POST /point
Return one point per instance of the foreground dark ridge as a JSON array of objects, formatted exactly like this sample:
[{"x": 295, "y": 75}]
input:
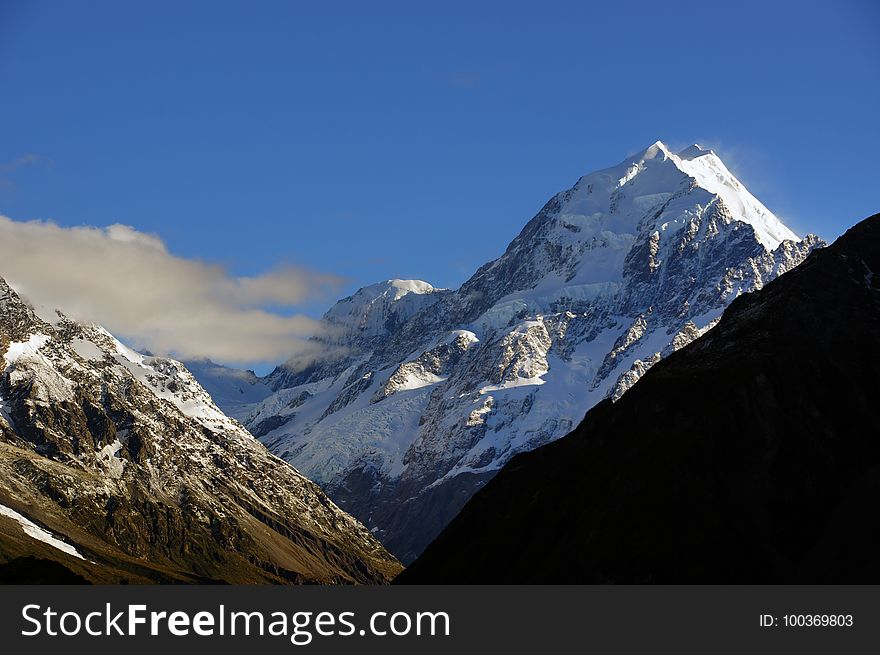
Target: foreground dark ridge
[
  {"x": 750, "y": 456},
  {"x": 118, "y": 468}
]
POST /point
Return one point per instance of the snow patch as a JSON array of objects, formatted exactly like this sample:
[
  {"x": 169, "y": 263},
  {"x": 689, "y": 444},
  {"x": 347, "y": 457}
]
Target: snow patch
[
  {"x": 417, "y": 381},
  {"x": 513, "y": 384},
  {"x": 19, "y": 349},
  {"x": 132, "y": 356},
  {"x": 33, "y": 530},
  {"x": 86, "y": 349},
  {"x": 107, "y": 456},
  {"x": 452, "y": 335}
]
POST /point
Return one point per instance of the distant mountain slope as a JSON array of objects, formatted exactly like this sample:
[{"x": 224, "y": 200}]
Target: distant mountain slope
[
  {"x": 750, "y": 456},
  {"x": 423, "y": 394},
  {"x": 119, "y": 467},
  {"x": 232, "y": 389}
]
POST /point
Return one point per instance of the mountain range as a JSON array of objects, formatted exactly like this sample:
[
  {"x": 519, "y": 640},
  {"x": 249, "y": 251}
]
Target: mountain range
[
  {"x": 119, "y": 466},
  {"x": 751, "y": 455},
  {"x": 423, "y": 394}
]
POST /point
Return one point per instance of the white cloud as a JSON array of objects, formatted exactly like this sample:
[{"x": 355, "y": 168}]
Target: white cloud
[{"x": 127, "y": 281}]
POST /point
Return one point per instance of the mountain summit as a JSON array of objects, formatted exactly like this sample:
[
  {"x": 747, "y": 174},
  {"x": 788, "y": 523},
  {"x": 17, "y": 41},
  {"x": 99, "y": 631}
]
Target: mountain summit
[
  {"x": 712, "y": 175},
  {"x": 422, "y": 394}
]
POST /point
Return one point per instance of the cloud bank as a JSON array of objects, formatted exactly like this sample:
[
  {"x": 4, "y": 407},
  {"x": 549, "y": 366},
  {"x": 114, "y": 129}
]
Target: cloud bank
[{"x": 128, "y": 282}]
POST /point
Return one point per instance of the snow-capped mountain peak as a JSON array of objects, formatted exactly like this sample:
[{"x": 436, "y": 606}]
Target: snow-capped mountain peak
[
  {"x": 653, "y": 176},
  {"x": 422, "y": 394},
  {"x": 368, "y": 311}
]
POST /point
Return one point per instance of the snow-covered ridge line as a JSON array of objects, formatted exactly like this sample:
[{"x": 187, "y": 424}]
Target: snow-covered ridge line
[
  {"x": 711, "y": 174},
  {"x": 167, "y": 378}
]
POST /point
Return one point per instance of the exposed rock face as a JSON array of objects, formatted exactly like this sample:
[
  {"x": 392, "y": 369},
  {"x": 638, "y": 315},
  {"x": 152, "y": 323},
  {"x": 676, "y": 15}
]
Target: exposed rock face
[
  {"x": 427, "y": 393},
  {"x": 751, "y": 455},
  {"x": 121, "y": 468}
]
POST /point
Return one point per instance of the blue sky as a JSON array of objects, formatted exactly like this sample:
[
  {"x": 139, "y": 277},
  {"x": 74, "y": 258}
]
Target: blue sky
[{"x": 373, "y": 140}]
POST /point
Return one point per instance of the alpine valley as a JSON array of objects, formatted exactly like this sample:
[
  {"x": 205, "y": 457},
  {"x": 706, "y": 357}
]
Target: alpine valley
[{"x": 422, "y": 394}]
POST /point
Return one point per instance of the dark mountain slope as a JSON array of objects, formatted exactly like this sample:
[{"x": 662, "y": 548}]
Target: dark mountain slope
[{"x": 750, "y": 456}]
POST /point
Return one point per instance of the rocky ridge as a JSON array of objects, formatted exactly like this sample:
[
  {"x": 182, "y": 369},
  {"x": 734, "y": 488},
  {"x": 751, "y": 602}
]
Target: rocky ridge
[{"x": 121, "y": 468}]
